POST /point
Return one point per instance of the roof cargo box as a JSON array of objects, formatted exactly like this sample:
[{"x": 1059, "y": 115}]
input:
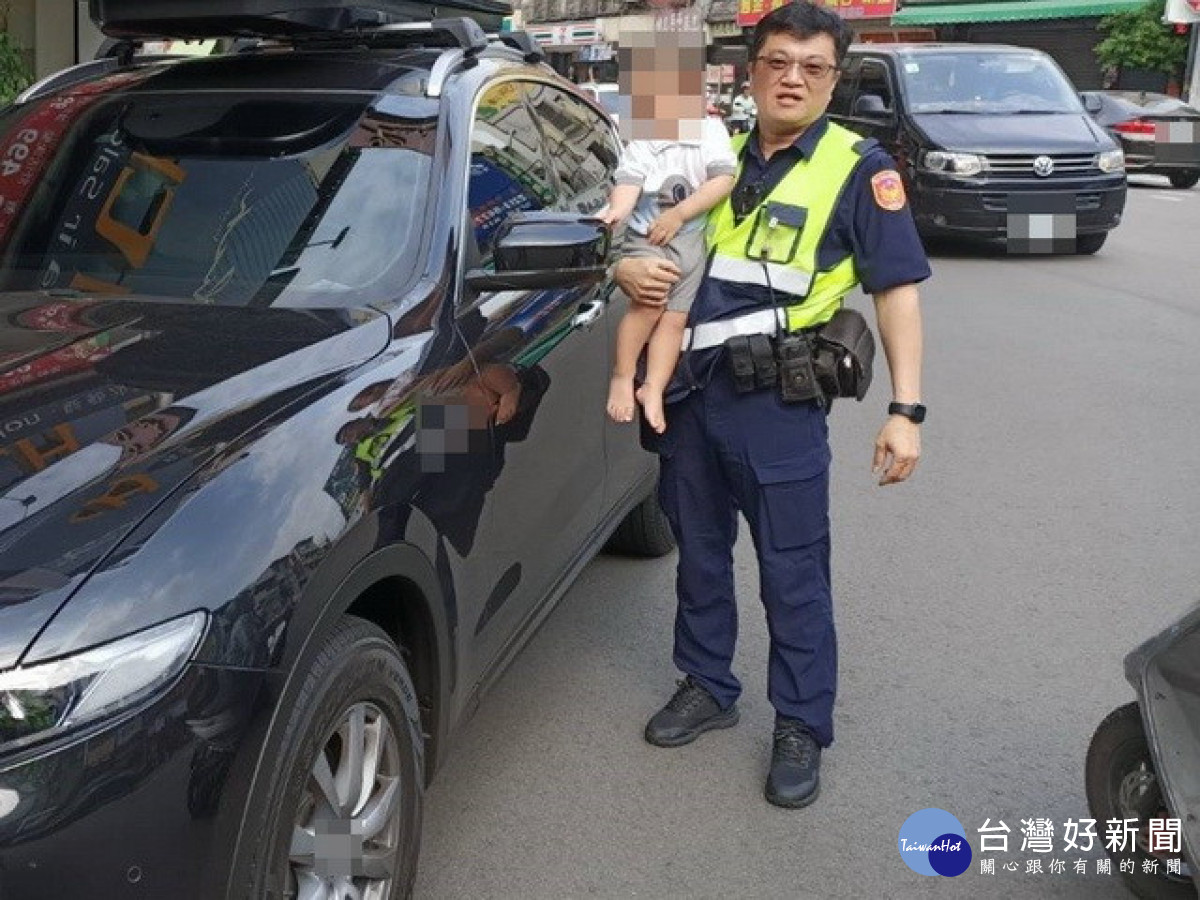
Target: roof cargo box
[{"x": 276, "y": 18}]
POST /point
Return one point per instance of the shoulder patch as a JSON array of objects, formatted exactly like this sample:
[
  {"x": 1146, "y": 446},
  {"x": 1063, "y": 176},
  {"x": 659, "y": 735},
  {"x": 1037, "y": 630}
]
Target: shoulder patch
[{"x": 888, "y": 190}]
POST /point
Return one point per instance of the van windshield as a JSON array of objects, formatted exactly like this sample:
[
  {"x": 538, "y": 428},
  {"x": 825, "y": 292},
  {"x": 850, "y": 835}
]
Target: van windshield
[{"x": 986, "y": 83}]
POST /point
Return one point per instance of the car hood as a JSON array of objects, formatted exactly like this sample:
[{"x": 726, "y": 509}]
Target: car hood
[
  {"x": 107, "y": 405},
  {"x": 1041, "y": 133}
]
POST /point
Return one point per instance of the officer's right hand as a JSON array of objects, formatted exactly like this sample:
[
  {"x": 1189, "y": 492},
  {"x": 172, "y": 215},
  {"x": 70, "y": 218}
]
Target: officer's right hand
[{"x": 646, "y": 280}]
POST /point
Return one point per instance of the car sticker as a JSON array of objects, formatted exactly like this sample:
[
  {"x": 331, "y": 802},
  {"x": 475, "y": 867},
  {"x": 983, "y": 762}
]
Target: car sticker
[{"x": 888, "y": 190}]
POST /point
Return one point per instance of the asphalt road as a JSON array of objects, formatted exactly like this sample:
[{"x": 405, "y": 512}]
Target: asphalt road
[{"x": 983, "y": 612}]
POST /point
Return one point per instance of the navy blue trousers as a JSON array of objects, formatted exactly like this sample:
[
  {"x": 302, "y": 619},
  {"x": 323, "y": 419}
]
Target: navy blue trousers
[{"x": 724, "y": 452}]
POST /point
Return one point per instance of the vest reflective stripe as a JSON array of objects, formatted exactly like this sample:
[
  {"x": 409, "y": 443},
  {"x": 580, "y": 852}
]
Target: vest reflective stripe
[
  {"x": 777, "y": 277},
  {"x": 815, "y": 183},
  {"x": 711, "y": 334}
]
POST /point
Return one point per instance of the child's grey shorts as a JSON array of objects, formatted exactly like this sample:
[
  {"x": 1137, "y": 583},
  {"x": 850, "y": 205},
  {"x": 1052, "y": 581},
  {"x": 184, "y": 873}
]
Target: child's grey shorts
[{"x": 687, "y": 250}]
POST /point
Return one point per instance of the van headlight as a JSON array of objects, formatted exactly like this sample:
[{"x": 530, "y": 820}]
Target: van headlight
[
  {"x": 1111, "y": 161},
  {"x": 954, "y": 163},
  {"x": 40, "y": 700}
]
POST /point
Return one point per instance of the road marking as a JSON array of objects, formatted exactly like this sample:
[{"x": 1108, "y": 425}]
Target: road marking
[{"x": 1170, "y": 198}]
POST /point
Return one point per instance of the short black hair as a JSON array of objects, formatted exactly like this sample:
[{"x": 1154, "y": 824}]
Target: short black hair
[{"x": 803, "y": 20}]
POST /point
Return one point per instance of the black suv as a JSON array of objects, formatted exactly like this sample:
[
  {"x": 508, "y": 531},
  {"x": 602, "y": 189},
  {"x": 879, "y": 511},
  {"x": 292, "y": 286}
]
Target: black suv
[
  {"x": 992, "y": 142},
  {"x": 303, "y": 359}
]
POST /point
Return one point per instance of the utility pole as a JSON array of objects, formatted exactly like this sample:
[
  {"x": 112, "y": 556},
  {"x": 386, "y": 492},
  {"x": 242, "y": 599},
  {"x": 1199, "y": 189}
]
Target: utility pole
[{"x": 1191, "y": 76}]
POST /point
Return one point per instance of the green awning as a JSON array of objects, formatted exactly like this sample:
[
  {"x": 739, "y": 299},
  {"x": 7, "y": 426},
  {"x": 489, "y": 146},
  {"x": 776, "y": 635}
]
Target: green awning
[{"x": 1008, "y": 11}]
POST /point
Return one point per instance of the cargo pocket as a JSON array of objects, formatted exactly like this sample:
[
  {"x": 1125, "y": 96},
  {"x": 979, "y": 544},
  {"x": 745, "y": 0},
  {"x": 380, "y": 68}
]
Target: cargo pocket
[{"x": 795, "y": 501}]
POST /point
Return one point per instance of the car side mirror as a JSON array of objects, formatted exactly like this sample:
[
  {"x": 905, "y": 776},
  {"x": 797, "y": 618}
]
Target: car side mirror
[
  {"x": 1091, "y": 102},
  {"x": 870, "y": 105},
  {"x": 545, "y": 250}
]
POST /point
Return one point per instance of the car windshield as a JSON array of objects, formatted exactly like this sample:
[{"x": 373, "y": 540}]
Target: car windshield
[
  {"x": 237, "y": 200},
  {"x": 983, "y": 82}
]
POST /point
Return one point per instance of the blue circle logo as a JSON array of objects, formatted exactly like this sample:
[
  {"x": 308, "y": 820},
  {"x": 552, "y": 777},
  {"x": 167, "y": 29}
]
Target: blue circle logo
[{"x": 933, "y": 842}]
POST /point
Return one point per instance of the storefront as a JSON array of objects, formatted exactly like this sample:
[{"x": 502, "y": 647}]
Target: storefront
[
  {"x": 582, "y": 51},
  {"x": 1065, "y": 29}
]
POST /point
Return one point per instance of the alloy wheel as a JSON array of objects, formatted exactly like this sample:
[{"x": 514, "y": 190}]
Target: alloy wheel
[{"x": 346, "y": 831}]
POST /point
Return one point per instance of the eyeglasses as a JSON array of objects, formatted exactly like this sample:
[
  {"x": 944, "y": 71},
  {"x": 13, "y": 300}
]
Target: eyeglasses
[{"x": 811, "y": 69}]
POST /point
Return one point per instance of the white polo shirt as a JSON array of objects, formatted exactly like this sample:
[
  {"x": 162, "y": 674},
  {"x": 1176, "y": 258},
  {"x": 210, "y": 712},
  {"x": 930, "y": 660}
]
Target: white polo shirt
[{"x": 668, "y": 172}]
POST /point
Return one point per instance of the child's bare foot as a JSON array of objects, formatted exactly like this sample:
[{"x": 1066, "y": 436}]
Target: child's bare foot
[
  {"x": 620, "y": 399},
  {"x": 652, "y": 407}
]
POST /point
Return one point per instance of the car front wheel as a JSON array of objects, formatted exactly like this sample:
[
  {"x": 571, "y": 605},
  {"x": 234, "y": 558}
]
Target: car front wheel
[
  {"x": 342, "y": 816},
  {"x": 1184, "y": 179}
]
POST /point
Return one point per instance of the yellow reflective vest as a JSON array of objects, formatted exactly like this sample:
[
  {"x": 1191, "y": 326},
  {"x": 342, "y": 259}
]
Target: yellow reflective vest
[{"x": 771, "y": 247}]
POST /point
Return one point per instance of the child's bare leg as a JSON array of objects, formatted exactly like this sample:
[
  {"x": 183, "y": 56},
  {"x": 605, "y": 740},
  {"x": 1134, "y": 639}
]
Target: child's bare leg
[
  {"x": 632, "y": 334},
  {"x": 661, "y": 357}
]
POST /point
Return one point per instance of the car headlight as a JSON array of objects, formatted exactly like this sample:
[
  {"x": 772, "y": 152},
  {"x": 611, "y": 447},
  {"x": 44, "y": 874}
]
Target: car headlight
[
  {"x": 1111, "y": 161},
  {"x": 37, "y": 701},
  {"x": 954, "y": 163}
]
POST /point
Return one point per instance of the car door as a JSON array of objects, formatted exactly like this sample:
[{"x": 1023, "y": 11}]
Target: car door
[
  {"x": 540, "y": 372},
  {"x": 584, "y": 151}
]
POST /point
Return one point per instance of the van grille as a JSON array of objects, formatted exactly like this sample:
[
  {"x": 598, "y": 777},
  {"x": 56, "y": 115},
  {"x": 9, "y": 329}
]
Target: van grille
[{"x": 1020, "y": 165}]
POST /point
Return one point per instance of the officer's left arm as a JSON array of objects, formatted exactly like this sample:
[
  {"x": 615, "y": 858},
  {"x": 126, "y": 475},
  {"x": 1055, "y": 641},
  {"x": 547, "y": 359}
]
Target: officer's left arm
[
  {"x": 898, "y": 444},
  {"x": 890, "y": 261}
]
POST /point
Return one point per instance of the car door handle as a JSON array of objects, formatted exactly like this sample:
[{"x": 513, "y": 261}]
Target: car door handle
[{"x": 588, "y": 314}]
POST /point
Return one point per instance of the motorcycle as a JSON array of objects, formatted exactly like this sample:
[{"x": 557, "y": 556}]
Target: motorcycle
[{"x": 1143, "y": 763}]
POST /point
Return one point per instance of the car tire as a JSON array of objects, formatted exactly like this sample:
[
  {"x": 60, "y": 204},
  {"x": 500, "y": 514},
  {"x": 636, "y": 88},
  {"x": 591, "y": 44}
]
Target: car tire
[
  {"x": 1121, "y": 784},
  {"x": 1087, "y": 244},
  {"x": 1184, "y": 180},
  {"x": 645, "y": 531},
  {"x": 347, "y": 766}
]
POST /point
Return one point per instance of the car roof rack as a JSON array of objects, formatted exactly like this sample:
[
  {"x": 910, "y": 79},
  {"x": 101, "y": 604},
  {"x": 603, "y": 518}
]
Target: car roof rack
[
  {"x": 276, "y": 19},
  {"x": 525, "y": 43}
]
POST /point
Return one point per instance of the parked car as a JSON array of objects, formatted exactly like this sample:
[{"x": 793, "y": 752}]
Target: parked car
[
  {"x": 303, "y": 359},
  {"x": 1159, "y": 134},
  {"x": 989, "y": 139}
]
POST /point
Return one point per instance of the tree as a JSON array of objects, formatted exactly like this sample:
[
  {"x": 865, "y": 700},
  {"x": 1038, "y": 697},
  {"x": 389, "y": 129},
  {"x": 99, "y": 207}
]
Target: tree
[
  {"x": 1138, "y": 39},
  {"x": 14, "y": 74}
]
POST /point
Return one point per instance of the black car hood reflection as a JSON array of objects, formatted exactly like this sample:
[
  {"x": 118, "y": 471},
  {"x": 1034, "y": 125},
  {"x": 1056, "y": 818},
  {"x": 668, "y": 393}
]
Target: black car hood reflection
[
  {"x": 1009, "y": 133},
  {"x": 108, "y": 405}
]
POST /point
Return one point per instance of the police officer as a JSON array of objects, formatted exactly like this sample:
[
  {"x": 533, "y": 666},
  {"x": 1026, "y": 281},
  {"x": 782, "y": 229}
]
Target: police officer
[{"x": 816, "y": 210}]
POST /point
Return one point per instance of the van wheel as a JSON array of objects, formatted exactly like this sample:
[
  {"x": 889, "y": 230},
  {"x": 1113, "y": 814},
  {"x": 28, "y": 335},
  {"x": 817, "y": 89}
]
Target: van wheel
[
  {"x": 645, "y": 531},
  {"x": 1087, "y": 244},
  {"x": 340, "y": 815},
  {"x": 1184, "y": 180}
]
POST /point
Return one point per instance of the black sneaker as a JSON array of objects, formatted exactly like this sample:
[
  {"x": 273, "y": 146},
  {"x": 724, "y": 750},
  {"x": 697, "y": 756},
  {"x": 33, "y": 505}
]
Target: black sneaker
[
  {"x": 795, "y": 766},
  {"x": 687, "y": 715}
]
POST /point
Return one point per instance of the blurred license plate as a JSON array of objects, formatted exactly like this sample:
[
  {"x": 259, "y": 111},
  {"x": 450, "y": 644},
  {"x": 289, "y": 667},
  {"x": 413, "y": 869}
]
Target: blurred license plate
[
  {"x": 1041, "y": 223},
  {"x": 1177, "y": 132},
  {"x": 1177, "y": 143}
]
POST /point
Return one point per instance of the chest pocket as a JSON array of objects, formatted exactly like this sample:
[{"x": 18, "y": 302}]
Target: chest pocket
[{"x": 775, "y": 235}]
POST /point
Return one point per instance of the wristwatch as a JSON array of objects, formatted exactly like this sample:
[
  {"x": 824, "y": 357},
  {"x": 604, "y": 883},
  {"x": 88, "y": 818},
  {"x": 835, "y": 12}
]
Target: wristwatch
[{"x": 914, "y": 412}]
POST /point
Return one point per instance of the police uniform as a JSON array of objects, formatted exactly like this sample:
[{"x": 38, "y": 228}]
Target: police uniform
[{"x": 798, "y": 232}]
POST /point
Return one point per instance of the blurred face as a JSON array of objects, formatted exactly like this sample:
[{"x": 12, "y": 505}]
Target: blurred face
[
  {"x": 792, "y": 81},
  {"x": 667, "y": 104},
  {"x": 662, "y": 77}
]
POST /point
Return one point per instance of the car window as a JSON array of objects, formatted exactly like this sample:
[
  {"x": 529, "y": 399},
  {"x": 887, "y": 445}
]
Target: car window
[
  {"x": 873, "y": 78},
  {"x": 843, "y": 91},
  {"x": 218, "y": 199},
  {"x": 981, "y": 82},
  {"x": 508, "y": 163},
  {"x": 583, "y": 150}
]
